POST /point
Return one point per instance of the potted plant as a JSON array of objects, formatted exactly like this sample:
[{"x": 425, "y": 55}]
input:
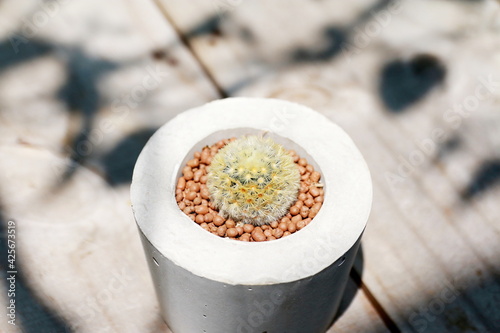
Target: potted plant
[{"x": 207, "y": 283}]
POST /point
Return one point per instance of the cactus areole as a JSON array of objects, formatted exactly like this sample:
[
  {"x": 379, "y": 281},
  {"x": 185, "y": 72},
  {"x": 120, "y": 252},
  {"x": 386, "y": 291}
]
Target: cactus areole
[{"x": 253, "y": 180}]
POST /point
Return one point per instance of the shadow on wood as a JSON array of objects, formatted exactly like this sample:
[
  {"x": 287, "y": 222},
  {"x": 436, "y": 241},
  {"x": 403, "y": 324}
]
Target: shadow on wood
[
  {"x": 403, "y": 83},
  {"x": 31, "y": 315}
]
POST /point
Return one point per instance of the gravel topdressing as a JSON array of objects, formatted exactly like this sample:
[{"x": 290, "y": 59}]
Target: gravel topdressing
[{"x": 193, "y": 198}]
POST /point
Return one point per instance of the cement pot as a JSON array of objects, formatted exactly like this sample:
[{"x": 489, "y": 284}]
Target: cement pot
[{"x": 209, "y": 284}]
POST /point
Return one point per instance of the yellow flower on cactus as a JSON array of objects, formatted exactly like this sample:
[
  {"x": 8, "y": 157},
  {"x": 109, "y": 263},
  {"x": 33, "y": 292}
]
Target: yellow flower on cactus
[{"x": 253, "y": 180}]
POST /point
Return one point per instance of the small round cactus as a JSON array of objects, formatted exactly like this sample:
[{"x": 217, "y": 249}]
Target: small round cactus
[{"x": 253, "y": 180}]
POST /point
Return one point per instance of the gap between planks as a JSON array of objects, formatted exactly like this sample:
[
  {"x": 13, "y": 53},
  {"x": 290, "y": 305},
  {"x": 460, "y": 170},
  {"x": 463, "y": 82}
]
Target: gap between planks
[{"x": 185, "y": 42}]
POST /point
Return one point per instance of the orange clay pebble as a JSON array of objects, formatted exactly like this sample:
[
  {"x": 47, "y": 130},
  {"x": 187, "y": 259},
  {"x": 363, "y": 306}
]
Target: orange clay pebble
[
  {"x": 218, "y": 220},
  {"x": 248, "y": 228},
  {"x": 203, "y": 179},
  {"x": 295, "y": 219},
  {"x": 309, "y": 168},
  {"x": 302, "y": 162},
  {"x": 205, "y": 226},
  {"x": 314, "y": 191},
  {"x": 309, "y": 202},
  {"x": 274, "y": 224},
  {"x": 287, "y": 218},
  {"x": 312, "y": 212},
  {"x": 268, "y": 232},
  {"x": 245, "y": 238},
  {"x": 178, "y": 197},
  {"x": 181, "y": 183},
  {"x": 204, "y": 192},
  {"x": 190, "y": 195},
  {"x": 302, "y": 196},
  {"x": 319, "y": 199},
  {"x": 205, "y": 154},
  {"x": 292, "y": 227},
  {"x": 194, "y": 187},
  {"x": 182, "y": 205},
  {"x": 315, "y": 176},
  {"x": 231, "y": 232},
  {"x": 257, "y": 229},
  {"x": 258, "y": 235},
  {"x": 200, "y": 219},
  {"x": 286, "y": 233},
  {"x": 270, "y": 238},
  {"x": 221, "y": 231},
  {"x": 230, "y": 223},
  {"x": 197, "y": 201},
  {"x": 283, "y": 226},
  {"x": 188, "y": 175},
  {"x": 239, "y": 230},
  {"x": 194, "y": 163},
  {"x": 197, "y": 175},
  {"x": 304, "y": 211},
  {"x": 317, "y": 206},
  {"x": 294, "y": 210},
  {"x": 277, "y": 233},
  {"x": 201, "y": 209},
  {"x": 301, "y": 224},
  {"x": 209, "y": 217}
]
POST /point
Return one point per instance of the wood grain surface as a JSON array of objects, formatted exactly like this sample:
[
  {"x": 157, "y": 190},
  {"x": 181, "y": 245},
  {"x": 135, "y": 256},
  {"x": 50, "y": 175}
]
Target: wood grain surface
[{"x": 84, "y": 84}]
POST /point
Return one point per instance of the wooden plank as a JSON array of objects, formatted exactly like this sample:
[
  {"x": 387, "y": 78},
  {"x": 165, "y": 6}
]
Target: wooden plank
[
  {"x": 102, "y": 75},
  {"x": 431, "y": 246},
  {"x": 82, "y": 228},
  {"x": 77, "y": 245},
  {"x": 109, "y": 72},
  {"x": 360, "y": 315}
]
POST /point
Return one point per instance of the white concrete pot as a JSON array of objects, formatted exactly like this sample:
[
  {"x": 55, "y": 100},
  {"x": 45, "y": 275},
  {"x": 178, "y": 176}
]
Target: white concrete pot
[{"x": 208, "y": 284}]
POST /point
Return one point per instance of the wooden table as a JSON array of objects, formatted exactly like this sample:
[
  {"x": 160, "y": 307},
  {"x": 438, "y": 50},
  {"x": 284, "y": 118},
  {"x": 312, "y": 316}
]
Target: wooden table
[{"x": 83, "y": 84}]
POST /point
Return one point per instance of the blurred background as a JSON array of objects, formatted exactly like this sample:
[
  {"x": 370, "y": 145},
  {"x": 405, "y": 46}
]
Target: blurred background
[{"x": 84, "y": 84}]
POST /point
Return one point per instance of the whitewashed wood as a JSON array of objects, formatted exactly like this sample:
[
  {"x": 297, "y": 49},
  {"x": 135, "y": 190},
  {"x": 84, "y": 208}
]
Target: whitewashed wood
[
  {"x": 76, "y": 237},
  {"x": 360, "y": 316},
  {"x": 78, "y": 248},
  {"x": 123, "y": 34},
  {"x": 408, "y": 261},
  {"x": 89, "y": 248}
]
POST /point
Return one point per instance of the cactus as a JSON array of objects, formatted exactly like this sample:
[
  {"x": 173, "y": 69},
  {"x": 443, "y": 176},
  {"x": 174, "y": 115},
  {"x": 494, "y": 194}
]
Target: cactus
[{"x": 253, "y": 180}]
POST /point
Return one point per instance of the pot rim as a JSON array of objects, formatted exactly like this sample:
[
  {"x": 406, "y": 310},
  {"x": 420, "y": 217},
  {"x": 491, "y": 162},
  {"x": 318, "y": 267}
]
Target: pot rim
[{"x": 338, "y": 225}]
